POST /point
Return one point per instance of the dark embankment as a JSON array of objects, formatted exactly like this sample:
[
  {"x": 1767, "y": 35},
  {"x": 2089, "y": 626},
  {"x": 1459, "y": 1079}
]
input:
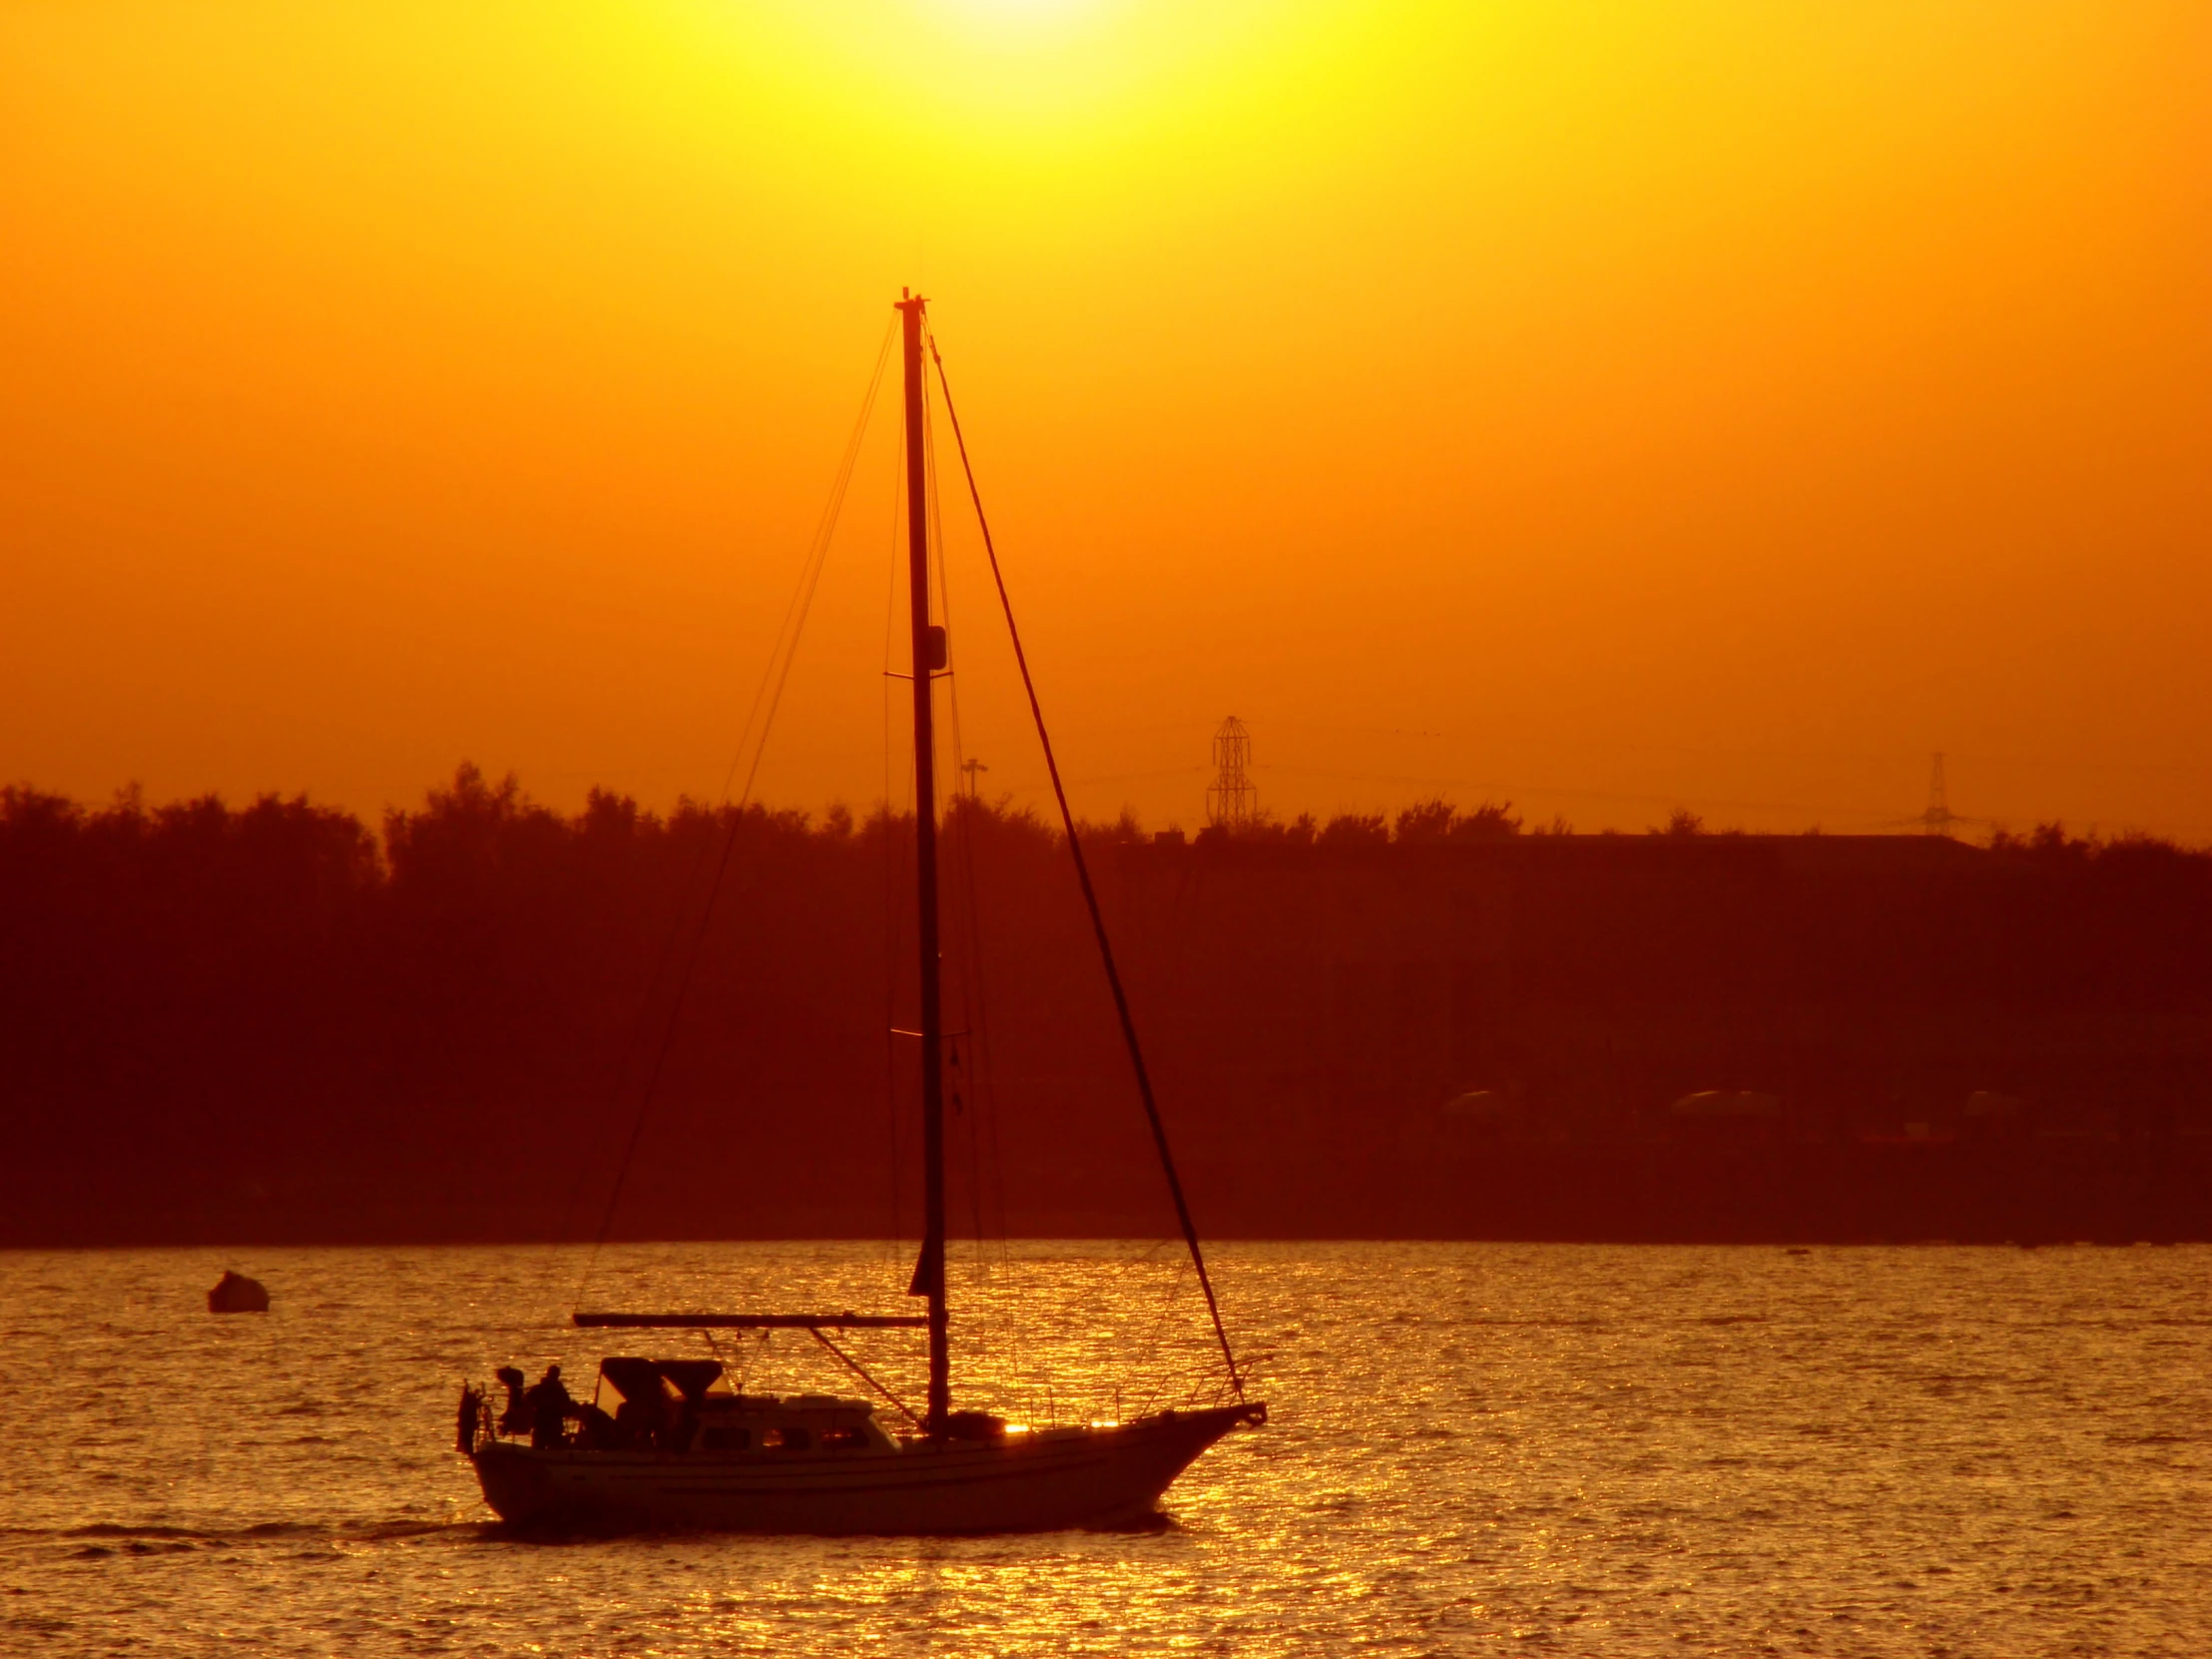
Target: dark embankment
[{"x": 273, "y": 1023}]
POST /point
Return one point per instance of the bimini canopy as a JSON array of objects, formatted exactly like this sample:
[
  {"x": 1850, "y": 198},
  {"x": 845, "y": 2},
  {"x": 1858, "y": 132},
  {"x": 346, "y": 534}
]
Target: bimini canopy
[{"x": 642, "y": 1378}]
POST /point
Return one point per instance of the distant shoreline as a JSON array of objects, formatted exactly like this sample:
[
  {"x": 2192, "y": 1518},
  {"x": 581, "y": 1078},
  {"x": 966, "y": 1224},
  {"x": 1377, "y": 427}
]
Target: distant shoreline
[
  {"x": 226, "y": 1026},
  {"x": 2052, "y": 1191}
]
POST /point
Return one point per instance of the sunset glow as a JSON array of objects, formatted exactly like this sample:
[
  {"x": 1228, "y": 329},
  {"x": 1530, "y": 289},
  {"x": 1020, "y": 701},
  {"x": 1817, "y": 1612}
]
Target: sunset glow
[
  {"x": 1049, "y": 826},
  {"x": 1706, "y": 405}
]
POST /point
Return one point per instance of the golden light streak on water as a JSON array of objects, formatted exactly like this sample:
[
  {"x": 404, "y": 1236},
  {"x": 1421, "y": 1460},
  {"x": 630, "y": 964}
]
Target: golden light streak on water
[{"x": 1591, "y": 1450}]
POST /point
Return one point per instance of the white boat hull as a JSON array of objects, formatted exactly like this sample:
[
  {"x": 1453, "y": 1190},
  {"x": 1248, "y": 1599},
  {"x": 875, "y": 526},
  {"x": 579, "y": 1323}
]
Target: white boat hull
[{"x": 1099, "y": 1477}]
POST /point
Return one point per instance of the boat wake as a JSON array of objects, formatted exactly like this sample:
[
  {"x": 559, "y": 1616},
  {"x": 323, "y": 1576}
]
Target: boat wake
[{"x": 100, "y": 1538}]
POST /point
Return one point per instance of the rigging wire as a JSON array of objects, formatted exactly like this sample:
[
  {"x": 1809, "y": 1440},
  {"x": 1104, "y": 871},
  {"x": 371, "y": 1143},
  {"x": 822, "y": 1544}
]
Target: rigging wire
[
  {"x": 765, "y": 700},
  {"x": 1090, "y": 895},
  {"x": 966, "y": 1102},
  {"x": 895, "y": 913},
  {"x": 986, "y": 1168},
  {"x": 982, "y": 1083},
  {"x": 1152, "y": 1345}
]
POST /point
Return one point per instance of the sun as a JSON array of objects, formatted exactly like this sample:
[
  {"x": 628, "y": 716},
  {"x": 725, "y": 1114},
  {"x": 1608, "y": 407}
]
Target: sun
[
  {"x": 1019, "y": 23},
  {"x": 1022, "y": 11}
]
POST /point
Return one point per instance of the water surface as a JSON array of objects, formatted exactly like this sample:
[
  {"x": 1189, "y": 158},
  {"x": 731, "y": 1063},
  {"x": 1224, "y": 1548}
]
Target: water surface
[{"x": 1474, "y": 1448}]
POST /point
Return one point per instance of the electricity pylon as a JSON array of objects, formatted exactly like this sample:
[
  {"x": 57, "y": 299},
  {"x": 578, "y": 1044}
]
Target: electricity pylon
[
  {"x": 1232, "y": 803},
  {"x": 1938, "y": 817}
]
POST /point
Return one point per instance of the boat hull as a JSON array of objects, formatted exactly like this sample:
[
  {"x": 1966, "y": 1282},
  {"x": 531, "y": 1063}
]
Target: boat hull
[{"x": 1103, "y": 1477}]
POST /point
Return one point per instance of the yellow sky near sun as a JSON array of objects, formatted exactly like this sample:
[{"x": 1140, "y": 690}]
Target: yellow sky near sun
[{"x": 1606, "y": 407}]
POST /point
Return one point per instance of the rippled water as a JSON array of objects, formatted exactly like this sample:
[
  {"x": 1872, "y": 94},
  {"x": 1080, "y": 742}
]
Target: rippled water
[{"x": 1474, "y": 1448}]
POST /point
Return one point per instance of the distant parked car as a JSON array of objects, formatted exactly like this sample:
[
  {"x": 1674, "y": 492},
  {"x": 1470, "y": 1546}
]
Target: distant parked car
[
  {"x": 1727, "y": 1103},
  {"x": 1481, "y": 1112}
]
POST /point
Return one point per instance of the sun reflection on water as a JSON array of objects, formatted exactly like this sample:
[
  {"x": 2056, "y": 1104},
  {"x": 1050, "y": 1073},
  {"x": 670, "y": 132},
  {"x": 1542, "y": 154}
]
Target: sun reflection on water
[{"x": 1607, "y": 1452}]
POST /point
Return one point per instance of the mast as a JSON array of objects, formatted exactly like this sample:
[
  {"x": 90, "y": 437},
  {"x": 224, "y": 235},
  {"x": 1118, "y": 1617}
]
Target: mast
[{"x": 929, "y": 656}]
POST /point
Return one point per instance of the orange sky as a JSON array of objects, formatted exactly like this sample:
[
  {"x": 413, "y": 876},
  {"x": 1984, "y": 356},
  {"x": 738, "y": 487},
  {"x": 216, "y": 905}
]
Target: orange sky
[{"x": 1607, "y": 406}]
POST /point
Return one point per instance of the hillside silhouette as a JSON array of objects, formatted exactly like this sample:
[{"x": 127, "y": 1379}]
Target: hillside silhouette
[{"x": 276, "y": 1022}]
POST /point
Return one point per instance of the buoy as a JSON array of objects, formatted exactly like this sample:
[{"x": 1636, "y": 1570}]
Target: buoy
[{"x": 237, "y": 1294}]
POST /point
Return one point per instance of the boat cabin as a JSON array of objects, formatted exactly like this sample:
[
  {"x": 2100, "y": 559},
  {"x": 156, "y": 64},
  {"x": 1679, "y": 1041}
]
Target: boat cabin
[{"x": 683, "y": 1406}]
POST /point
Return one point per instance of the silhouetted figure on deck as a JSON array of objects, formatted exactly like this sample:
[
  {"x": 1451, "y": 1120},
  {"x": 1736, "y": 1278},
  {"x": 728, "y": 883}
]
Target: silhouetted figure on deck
[
  {"x": 464, "y": 1426},
  {"x": 549, "y": 1409}
]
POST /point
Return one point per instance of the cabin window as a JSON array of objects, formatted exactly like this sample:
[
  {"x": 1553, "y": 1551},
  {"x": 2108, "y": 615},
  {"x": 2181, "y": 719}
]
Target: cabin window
[
  {"x": 728, "y": 1440},
  {"x": 790, "y": 1439},
  {"x": 842, "y": 1439}
]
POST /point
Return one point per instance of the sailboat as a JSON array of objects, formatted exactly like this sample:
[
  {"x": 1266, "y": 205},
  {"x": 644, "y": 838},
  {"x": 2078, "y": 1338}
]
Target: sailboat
[{"x": 682, "y": 1450}]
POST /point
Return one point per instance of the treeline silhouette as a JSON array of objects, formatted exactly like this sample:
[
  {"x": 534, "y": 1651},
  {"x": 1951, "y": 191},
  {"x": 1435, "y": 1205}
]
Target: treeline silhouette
[{"x": 484, "y": 1018}]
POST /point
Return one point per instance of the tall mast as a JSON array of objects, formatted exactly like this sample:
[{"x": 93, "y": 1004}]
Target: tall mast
[{"x": 929, "y": 656}]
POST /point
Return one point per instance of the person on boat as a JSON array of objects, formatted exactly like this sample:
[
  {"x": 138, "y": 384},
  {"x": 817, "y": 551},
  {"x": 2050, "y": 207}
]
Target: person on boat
[
  {"x": 550, "y": 1408},
  {"x": 471, "y": 1413}
]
